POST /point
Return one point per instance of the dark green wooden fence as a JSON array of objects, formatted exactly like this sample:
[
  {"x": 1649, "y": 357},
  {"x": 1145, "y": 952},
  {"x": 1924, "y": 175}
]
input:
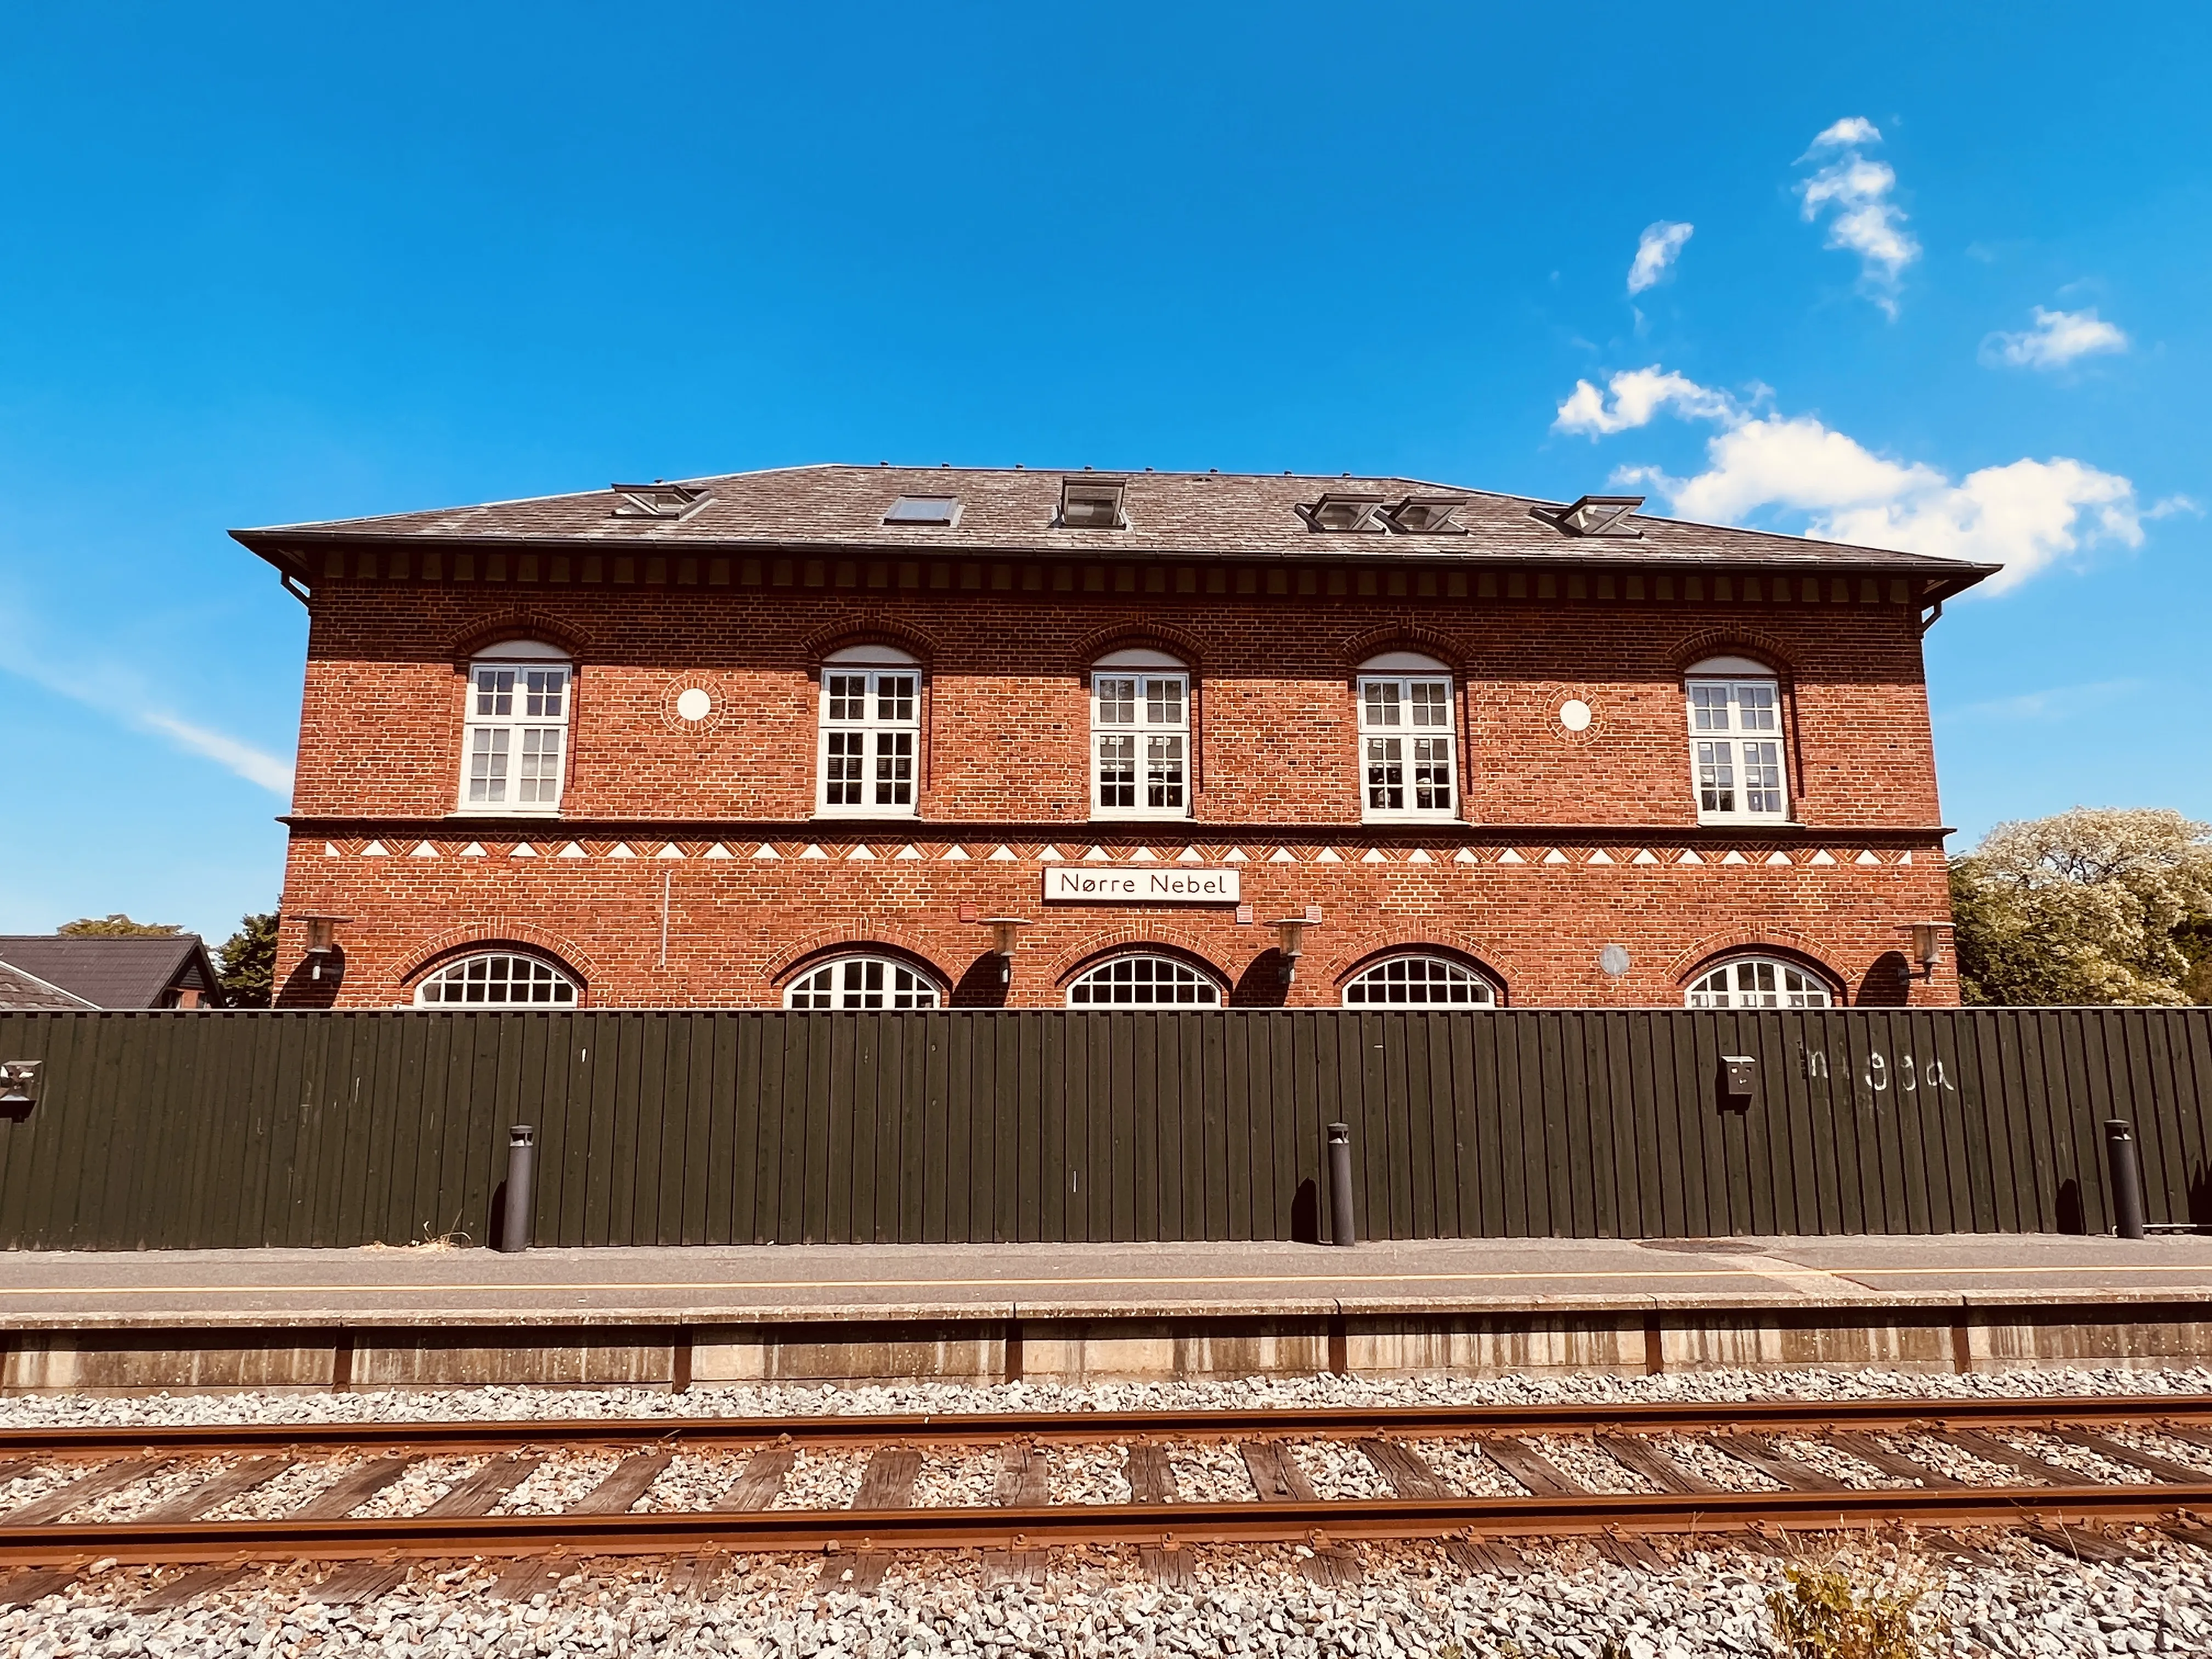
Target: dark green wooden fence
[{"x": 162, "y": 1130}]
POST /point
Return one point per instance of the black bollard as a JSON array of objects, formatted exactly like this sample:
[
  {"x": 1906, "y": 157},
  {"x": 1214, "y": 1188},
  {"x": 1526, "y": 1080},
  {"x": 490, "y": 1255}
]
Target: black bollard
[
  {"x": 521, "y": 1175},
  {"x": 2127, "y": 1178},
  {"x": 1341, "y": 1228}
]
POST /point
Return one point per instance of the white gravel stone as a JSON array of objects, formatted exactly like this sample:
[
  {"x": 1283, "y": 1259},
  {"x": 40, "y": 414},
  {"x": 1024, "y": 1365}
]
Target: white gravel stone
[
  {"x": 1338, "y": 1469},
  {"x": 1086, "y": 1474},
  {"x": 1209, "y": 1472}
]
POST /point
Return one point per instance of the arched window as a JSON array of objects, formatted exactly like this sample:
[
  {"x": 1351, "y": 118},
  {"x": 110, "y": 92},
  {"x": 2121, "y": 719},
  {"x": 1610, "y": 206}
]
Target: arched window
[
  {"x": 514, "y": 751},
  {"x": 1406, "y": 737},
  {"x": 871, "y": 733},
  {"x": 863, "y": 983},
  {"x": 1737, "y": 766},
  {"x": 1142, "y": 981},
  {"x": 497, "y": 978},
  {"x": 1759, "y": 983},
  {"x": 1419, "y": 982},
  {"x": 1140, "y": 736}
]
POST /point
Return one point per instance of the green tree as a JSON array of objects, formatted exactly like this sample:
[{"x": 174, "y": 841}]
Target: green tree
[
  {"x": 2099, "y": 905},
  {"x": 118, "y": 925},
  {"x": 246, "y": 964}
]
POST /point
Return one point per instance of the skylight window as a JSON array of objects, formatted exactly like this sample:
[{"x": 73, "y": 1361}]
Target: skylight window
[
  {"x": 658, "y": 500},
  {"x": 1594, "y": 515},
  {"x": 925, "y": 509},
  {"x": 1091, "y": 504},
  {"x": 1346, "y": 515},
  {"x": 1427, "y": 515}
]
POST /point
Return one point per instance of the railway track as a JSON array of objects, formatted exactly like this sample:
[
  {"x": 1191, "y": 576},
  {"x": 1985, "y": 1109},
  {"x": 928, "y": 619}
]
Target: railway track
[{"x": 2073, "y": 1474}]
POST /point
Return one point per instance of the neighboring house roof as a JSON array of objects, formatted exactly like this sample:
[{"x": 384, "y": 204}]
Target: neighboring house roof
[
  {"x": 108, "y": 972},
  {"x": 21, "y": 992},
  {"x": 1183, "y": 515}
]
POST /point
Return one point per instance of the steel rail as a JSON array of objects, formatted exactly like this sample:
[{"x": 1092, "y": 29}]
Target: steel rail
[
  {"x": 1321, "y": 1422},
  {"x": 815, "y": 1531}
]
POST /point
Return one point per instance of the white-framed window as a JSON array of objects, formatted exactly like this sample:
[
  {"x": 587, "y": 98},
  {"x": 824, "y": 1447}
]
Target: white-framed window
[
  {"x": 863, "y": 983},
  {"x": 1738, "y": 767},
  {"x": 1407, "y": 741},
  {"x": 1143, "y": 981},
  {"x": 1419, "y": 982},
  {"x": 514, "y": 746},
  {"x": 496, "y": 978},
  {"x": 871, "y": 742},
  {"x": 1140, "y": 736},
  {"x": 1759, "y": 982}
]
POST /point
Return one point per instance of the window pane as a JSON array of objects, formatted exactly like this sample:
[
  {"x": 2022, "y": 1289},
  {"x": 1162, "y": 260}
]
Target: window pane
[
  {"x": 540, "y": 781},
  {"x": 1759, "y": 983},
  {"x": 895, "y": 697},
  {"x": 1386, "y": 774},
  {"x": 894, "y": 769},
  {"x": 544, "y": 687},
  {"x": 1382, "y": 703},
  {"x": 1709, "y": 708},
  {"x": 1163, "y": 772},
  {"x": 848, "y": 697},
  {"x": 1164, "y": 703},
  {"x": 862, "y": 983},
  {"x": 1117, "y": 771},
  {"x": 842, "y": 765},
  {"x": 495, "y": 691},
  {"x": 496, "y": 979},
  {"x": 1420, "y": 980},
  {"x": 1754, "y": 703},
  {"x": 1716, "y": 777},
  {"x": 1432, "y": 774},
  {"x": 1143, "y": 981},
  {"x": 1117, "y": 702},
  {"x": 488, "y": 766},
  {"x": 1431, "y": 702},
  {"x": 1762, "y": 777}
]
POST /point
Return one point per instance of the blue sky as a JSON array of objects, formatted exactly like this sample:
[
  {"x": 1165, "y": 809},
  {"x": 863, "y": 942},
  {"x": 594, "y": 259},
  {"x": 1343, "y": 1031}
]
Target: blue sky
[{"x": 1943, "y": 283}]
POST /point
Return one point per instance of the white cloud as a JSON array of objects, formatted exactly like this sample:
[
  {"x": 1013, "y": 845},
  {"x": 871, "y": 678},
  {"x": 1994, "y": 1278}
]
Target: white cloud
[
  {"x": 1638, "y": 395},
  {"x": 1851, "y": 130},
  {"x": 2058, "y": 339},
  {"x": 120, "y": 695},
  {"x": 2058, "y": 703},
  {"x": 1654, "y": 250},
  {"x": 1865, "y": 221},
  {"x": 2025, "y": 516}
]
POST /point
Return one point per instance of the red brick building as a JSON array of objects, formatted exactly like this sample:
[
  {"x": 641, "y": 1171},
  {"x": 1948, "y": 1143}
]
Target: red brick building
[{"x": 837, "y": 735}]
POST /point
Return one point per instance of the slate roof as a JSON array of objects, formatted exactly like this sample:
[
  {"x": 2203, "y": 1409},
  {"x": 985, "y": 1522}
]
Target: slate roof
[
  {"x": 1183, "y": 515},
  {"x": 20, "y": 991},
  {"x": 107, "y": 972}
]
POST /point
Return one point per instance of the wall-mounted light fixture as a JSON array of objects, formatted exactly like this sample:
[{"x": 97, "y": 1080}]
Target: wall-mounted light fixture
[
  {"x": 1291, "y": 938},
  {"x": 322, "y": 940},
  {"x": 1927, "y": 944},
  {"x": 1005, "y": 932},
  {"x": 19, "y": 1081}
]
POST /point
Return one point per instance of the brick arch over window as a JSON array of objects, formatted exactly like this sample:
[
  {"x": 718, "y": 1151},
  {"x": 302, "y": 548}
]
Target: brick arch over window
[
  {"x": 867, "y": 937},
  {"x": 516, "y": 625},
  {"x": 1732, "y": 642},
  {"x": 1407, "y": 635},
  {"x": 1133, "y": 632},
  {"x": 1755, "y": 941},
  {"x": 500, "y": 935},
  {"x": 868, "y": 630},
  {"x": 1346, "y": 956},
  {"x": 1183, "y": 943}
]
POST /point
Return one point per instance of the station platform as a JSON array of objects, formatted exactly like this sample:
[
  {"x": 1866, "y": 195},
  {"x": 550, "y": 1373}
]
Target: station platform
[{"x": 701, "y": 1316}]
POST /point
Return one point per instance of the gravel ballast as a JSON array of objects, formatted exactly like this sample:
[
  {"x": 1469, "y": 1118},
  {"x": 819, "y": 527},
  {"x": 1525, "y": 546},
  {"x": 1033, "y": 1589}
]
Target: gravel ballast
[{"x": 1411, "y": 1601}]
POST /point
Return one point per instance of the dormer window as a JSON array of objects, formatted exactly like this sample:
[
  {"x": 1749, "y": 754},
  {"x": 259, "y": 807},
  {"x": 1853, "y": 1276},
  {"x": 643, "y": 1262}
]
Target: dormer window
[
  {"x": 940, "y": 510},
  {"x": 1593, "y": 515},
  {"x": 1427, "y": 515},
  {"x": 1091, "y": 504},
  {"x": 1346, "y": 515},
  {"x": 658, "y": 500}
]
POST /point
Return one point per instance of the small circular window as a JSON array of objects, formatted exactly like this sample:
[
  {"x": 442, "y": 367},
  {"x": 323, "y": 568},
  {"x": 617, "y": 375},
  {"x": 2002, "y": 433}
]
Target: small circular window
[
  {"x": 1759, "y": 983},
  {"x": 496, "y": 979},
  {"x": 1143, "y": 981},
  {"x": 1420, "y": 981},
  {"x": 862, "y": 982}
]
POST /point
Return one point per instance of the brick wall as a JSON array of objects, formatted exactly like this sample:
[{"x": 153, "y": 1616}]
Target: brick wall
[{"x": 1542, "y": 871}]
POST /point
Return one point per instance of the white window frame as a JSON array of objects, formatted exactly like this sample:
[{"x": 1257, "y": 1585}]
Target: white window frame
[
  {"x": 878, "y": 734},
  {"x": 497, "y": 968},
  {"x": 1152, "y": 749},
  {"x": 863, "y": 979},
  {"x": 1739, "y": 752},
  {"x": 1402, "y": 696},
  {"x": 1417, "y": 970},
  {"x": 1143, "y": 972},
  {"x": 1774, "y": 982},
  {"x": 508, "y": 728}
]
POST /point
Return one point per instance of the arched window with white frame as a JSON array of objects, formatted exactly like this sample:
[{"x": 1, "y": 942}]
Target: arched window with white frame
[
  {"x": 496, "y": 978},
  {"x": 1759, "y": 982},
  {"x": 1417, "y": 981},
  {"x": 863, "y": 981},
  {"x": 1139, "y": 980},
  {"x": 1408, "y": 742},
  {"x": 1140, "y": 736},
  {"x": 871, "y": 733},
  {"x": 514, "y": 748},
  {"x": 1738, "y": 766}
]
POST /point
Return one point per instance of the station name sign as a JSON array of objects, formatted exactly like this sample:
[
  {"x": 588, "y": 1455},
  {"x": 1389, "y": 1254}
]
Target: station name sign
[{"x": 1123, "y": 885}]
